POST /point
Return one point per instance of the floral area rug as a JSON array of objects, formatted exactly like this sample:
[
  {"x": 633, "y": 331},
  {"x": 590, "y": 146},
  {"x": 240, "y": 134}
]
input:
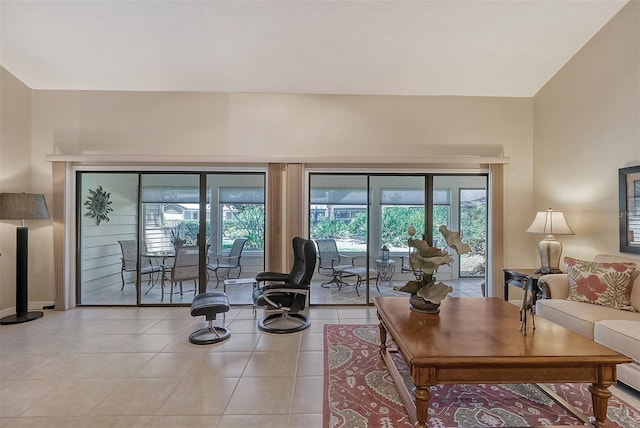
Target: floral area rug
[{"x": 359, "y": 393}]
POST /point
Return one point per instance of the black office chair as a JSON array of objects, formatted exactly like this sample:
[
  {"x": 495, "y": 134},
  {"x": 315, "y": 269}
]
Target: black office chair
[{"x": 286, "y": 294}]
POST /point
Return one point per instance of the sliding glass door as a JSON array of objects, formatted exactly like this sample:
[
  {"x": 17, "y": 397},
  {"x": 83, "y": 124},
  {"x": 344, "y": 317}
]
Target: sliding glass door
[
  {"x": 107, "y": 217},
  {"x": 161, "y": 238},
  {"x": 171, "y": 208},
  {"x": 365, "y": 218},
  {"x": 339, "y": 224},
  {"x": 236, "y": 232}
]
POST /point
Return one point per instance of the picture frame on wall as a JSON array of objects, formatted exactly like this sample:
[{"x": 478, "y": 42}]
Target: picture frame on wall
[{"x": 629, "y": 190}]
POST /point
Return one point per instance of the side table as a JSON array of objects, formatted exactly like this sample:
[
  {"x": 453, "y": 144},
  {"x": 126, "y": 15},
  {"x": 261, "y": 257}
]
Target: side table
[
  {"x": 516, "y": 277},
  {"x": 385, "y": 268}
]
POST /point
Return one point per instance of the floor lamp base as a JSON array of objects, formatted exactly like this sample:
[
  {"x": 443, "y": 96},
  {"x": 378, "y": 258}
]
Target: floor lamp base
[{"x": 15, "y": 319}]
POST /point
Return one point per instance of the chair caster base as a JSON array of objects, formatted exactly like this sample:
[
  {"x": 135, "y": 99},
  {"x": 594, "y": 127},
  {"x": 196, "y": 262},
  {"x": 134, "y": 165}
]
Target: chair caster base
[
  {"x": 207, "y": 336},
  {"x": 282, "y": 324}
]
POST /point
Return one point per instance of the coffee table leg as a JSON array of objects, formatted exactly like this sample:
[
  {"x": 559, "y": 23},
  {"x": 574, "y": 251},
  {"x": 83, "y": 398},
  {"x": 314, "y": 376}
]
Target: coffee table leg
[
  {"x": 422, "y": 395},
  {"x": 383, "y": 339},
  {"x": 600, "y": 396}
]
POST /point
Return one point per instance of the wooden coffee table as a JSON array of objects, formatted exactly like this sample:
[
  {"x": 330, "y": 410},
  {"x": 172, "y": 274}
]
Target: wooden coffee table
[{"x": 476, "y": 340}]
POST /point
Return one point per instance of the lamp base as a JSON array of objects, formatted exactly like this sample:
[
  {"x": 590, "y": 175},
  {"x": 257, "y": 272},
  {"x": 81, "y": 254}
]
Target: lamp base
[
  {"x": 15, "y": 319},
  {"x": 550, "y": 251}
]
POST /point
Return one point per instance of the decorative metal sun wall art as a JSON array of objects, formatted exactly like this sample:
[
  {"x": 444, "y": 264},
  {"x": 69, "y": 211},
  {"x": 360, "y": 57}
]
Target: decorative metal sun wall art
[{"x": 98, "y": 205}]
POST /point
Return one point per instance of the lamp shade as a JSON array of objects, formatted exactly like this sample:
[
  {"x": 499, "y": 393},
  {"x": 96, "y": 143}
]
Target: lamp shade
[
  {"x": 23, "y": 206},
  {"x": 550, "y": 222}
]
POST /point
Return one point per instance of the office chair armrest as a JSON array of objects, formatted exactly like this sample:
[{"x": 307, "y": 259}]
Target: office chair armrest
[
  {"x": 272, "y": 276},
  {"x": 285, "y": 287},
  {"x": 295, "y": 301}
]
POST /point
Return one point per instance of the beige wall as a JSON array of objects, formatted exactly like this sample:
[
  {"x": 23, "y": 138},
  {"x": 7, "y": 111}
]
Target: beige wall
[
  {"x": 586, "y": 127},
  {"x": 82, "y": 122},
  {"x": 15, "y": 155}
]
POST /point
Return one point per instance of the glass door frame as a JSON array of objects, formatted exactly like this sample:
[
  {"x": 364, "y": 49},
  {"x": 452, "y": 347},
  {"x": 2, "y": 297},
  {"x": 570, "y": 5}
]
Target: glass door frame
[
  {"x": 202, "y": 173},
  {"x": 428, "y": 197}
]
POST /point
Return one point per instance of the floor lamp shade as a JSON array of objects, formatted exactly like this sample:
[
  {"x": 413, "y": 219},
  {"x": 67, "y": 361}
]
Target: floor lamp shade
[
  {"x": 22, "y": 206},
  {"x": 550, "y": 223}
]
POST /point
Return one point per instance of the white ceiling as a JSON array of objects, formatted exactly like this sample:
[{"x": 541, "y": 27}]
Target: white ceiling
[{"x": 453, "y": 47}]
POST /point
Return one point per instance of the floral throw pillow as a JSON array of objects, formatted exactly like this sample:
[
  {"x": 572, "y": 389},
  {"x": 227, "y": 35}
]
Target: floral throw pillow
[{"x": 606, "y": 284}]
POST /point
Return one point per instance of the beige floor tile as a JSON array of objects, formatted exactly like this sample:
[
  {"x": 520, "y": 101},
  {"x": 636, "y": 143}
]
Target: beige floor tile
[
  {"x": 80, "y": 422},
  {"x": 271, "y": 364},
  {"x": 92, "y": 366},
  {"x": 180, "y": 343},
  {"x": 72, "y": 398},
  {"x": 39, "y": 343},
  {"x": 246, "y": 421},
  {"x": 312, "y": 341},
  {"x": 137, "y": 397},
  {"x": 183, "y": 313},
  {"x": 261, "y": 396},
  {"x": 220, "y": 364},
  {"x": 360, "y": 313},
  {"x": 311, "y": 363},
  {"x": 124, "y": 343},
  {"x": 308, "y": 395},
  {"x": 128, "y": 313},
  {"x": 279, "y": 342},
  {"x": 16, "y": 396},
  {"x": 238, "y": 342},
  {"x": 170, "y": 365},
  {"x": 317, "y": 326},
  {"x": 199, "y": 396},
  {"x": 367, "y": 321},
  {"x": 171, "y": 326},
  {"x": 306, "y": 421},
  {"x": 245, "y": 325},
  {"x": 111, "y": 326},
  {"x": 323, "y": 313},
  {"x": 184, "y": 421},
  {"x": 243, "y": 313},
  {"x": 19, "y": 366}
]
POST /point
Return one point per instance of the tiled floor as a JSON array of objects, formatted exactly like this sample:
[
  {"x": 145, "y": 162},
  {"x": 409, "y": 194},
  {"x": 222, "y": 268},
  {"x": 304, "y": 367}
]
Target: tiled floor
[{"x": 134, "y": 367}]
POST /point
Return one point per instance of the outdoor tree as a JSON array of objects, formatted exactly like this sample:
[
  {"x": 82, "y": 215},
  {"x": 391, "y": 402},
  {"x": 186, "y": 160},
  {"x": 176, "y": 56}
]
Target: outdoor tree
[{"x": 247, "y": 222}]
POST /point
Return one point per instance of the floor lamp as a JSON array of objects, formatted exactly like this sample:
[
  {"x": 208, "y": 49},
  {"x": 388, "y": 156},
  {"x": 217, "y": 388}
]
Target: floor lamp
[{"x": 22, "y": 206}]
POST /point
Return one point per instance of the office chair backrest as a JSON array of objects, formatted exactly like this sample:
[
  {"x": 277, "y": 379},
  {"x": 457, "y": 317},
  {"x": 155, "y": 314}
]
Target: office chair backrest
[
  {"x": 304, "y": 262},
  {"x": 310, "y": 255}
]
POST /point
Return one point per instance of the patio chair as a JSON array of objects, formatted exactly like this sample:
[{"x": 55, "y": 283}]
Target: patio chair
[
  {"x": 185, "y": 268},
  {"x": 332, "y": 263},
  {"x": 217, "y": 264},
  {"x": 148, "y": 266}
]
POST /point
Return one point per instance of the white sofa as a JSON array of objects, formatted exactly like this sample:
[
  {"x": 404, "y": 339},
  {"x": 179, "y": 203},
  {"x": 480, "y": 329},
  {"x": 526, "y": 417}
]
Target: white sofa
[{"x": 614, "y": 328}]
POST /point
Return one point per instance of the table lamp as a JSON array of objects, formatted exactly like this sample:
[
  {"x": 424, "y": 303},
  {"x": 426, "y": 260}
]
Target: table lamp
[
  {"x": 550, "y": 223},
  {"x": 22, "y": 206}
]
